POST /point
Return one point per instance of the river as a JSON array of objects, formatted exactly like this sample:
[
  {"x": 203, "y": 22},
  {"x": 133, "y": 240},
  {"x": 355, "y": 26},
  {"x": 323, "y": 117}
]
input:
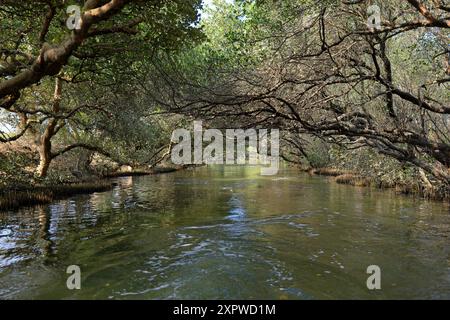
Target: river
[{"x": 226, "y": 232}]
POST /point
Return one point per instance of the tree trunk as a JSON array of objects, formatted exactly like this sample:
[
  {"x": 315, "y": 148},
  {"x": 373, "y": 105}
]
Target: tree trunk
[
  {"x": 45, "y": 141},
  {"x": 45, "y": 155}
]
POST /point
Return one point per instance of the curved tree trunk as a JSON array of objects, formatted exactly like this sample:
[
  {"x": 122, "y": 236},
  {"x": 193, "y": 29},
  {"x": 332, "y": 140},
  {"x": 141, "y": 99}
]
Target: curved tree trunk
[
  {"x": 45, "y": 141},
  {"x": 45, "y": 155}
]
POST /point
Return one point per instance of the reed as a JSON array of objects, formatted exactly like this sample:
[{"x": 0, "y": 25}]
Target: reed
[
  {"x": 127, "y": 174},
  {"x": 160, "y": 170},
  {"x": 16, "y": 199},
  {"x": 13, "y": 199},
  {"x": 330, "y": 172},
  {"x": 352, "y": 179},
  {"x": 79, "y": 188},
  {"x": 157, "y": 170}
]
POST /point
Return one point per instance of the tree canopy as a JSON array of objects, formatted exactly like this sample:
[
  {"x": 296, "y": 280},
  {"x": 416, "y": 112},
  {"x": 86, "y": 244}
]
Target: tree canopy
[{"x": 369, "y": 79}]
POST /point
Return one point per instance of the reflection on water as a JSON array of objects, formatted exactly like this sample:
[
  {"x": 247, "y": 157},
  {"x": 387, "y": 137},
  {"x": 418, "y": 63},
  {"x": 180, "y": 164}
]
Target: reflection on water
[{"x": 226, "y": 232}]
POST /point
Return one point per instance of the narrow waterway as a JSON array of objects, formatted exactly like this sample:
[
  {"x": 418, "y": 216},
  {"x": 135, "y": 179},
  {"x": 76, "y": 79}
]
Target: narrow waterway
[{"x": 228, "y": 233}]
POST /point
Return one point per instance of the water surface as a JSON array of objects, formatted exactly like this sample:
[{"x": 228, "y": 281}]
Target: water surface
[{"x": 228, "y": 233}]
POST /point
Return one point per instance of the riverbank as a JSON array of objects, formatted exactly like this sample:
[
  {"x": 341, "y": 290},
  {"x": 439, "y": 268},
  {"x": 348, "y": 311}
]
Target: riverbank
[
  {"x": 160, "y": 170},
  {"x": 414, "y": 187},
  {"x": 13, "y": 197}
]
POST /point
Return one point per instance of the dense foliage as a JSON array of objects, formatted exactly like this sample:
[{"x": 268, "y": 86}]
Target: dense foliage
[
  {"x": 337, "y": 86},
  {"x": 66, "y": 90},
  {"x": 346, "y": 93}
]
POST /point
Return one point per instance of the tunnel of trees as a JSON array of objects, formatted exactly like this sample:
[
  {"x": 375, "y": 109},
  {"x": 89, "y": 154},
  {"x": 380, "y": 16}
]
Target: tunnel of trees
[{"x": 108, "y": 92}]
